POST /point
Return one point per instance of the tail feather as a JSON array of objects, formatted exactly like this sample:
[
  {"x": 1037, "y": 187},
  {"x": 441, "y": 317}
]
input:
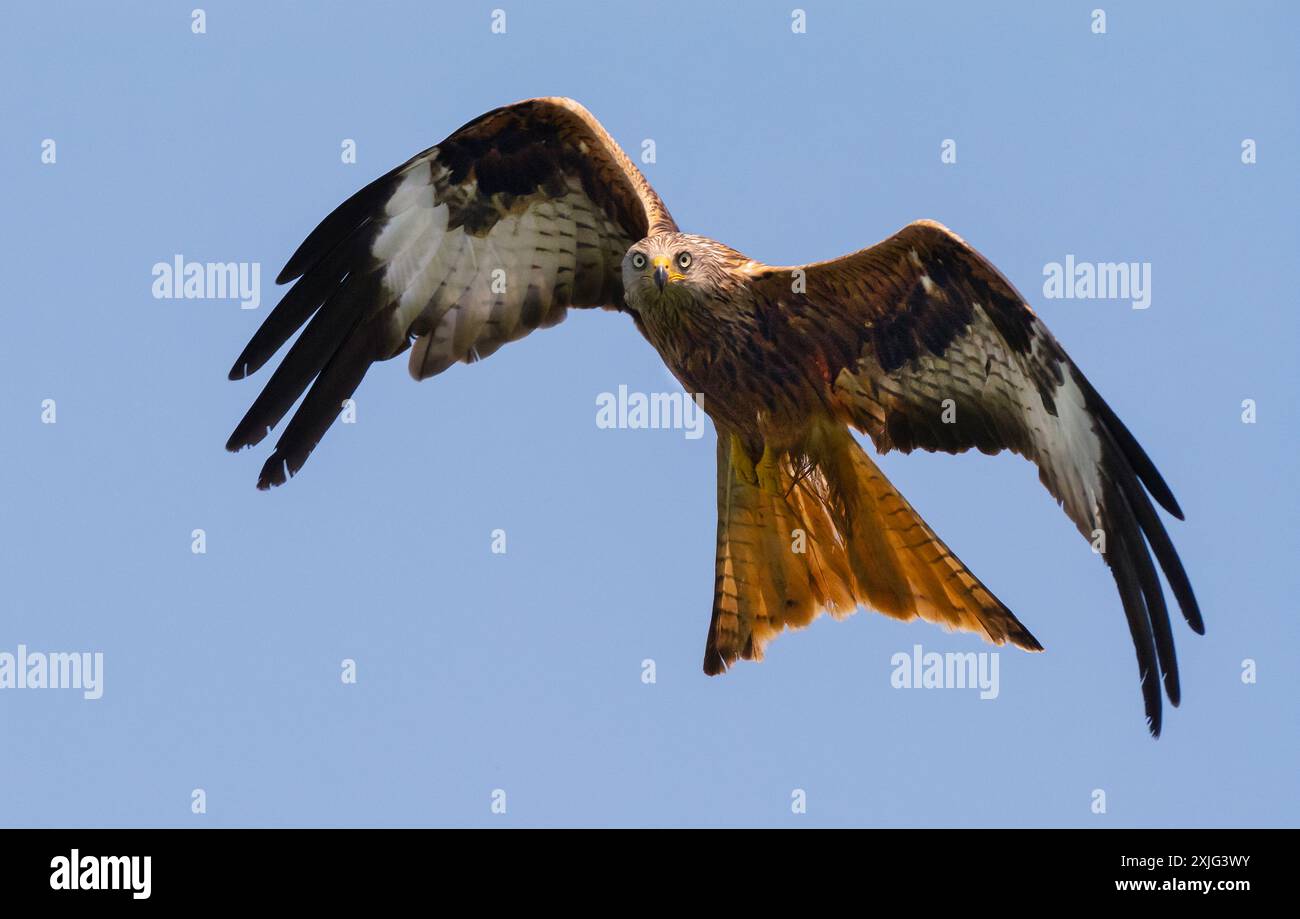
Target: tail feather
[{"x": 826, "y": 530}]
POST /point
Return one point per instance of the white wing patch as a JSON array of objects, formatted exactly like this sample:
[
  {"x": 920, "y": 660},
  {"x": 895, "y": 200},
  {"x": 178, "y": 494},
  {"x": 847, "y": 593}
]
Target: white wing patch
[
  {"x": 978, "y": 369},
  {"x": 1068, "y": 447},
  {"x": 464, "y": 295}
]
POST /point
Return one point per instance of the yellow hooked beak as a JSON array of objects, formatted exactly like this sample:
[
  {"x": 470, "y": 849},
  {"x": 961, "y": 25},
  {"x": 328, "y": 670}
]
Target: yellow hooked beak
[{"x": 662, "y": 273}]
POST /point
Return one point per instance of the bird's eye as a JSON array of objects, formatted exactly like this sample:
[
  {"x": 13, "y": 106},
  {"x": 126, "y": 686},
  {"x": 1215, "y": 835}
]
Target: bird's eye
[
  {"x": 638, "y": 261},
  {"x": 683, "y": 260}
]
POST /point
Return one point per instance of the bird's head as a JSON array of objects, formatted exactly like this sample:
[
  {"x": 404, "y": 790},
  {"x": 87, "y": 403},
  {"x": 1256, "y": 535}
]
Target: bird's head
[{"x": 676, "y": 268}]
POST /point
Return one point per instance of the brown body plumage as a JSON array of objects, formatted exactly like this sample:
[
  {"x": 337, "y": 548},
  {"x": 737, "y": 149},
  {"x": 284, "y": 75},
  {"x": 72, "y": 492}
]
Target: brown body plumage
[
  {"x": 916, "y": 341},
  {"x": 806, "y": 521}
]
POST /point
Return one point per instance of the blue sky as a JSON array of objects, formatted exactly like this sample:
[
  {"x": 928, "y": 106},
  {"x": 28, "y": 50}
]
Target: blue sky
[{"x": 480, "y": 671}]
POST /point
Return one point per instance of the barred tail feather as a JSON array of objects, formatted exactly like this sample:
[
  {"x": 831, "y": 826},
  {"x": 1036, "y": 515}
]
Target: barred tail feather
[{"x": 826, "y": 531}]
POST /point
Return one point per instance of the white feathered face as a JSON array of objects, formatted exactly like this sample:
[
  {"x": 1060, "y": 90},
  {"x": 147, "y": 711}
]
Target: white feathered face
[{"x": 670, "y": 267}]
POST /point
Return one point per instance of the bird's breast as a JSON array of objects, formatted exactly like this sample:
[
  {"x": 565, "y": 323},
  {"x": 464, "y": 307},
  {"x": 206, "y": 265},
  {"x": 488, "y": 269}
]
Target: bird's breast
[{"x": 750, "y": 381}]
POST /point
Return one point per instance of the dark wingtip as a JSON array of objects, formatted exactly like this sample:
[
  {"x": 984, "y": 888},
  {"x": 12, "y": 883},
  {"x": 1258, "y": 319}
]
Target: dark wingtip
[
  {"x": 1130, "y": 448},
  {"x": 1154, "y": 708},
  {"x": 244, "y": 436},
  {"x": 1172, "y": 689},
  {"x": 273, "y": 472},
  {"x": 1152, "y": 479},
  {"x": 1187, "y": 602},
  {"x": 1152, "y": 703},
  {"x": 250, "y": 360}
]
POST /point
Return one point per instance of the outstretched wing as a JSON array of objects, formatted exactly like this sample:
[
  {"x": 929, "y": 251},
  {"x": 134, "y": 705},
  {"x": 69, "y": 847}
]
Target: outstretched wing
[
  {"x": 922, "y": 318},
  {"x": 496, "y": 231}
]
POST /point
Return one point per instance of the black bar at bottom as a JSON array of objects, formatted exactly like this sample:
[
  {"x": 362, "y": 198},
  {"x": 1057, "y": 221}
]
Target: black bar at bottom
[{"x": 212, "y": 867}]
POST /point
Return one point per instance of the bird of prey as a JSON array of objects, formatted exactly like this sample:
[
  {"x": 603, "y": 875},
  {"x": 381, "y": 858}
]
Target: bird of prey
[{"x": 917, "y": 341}]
